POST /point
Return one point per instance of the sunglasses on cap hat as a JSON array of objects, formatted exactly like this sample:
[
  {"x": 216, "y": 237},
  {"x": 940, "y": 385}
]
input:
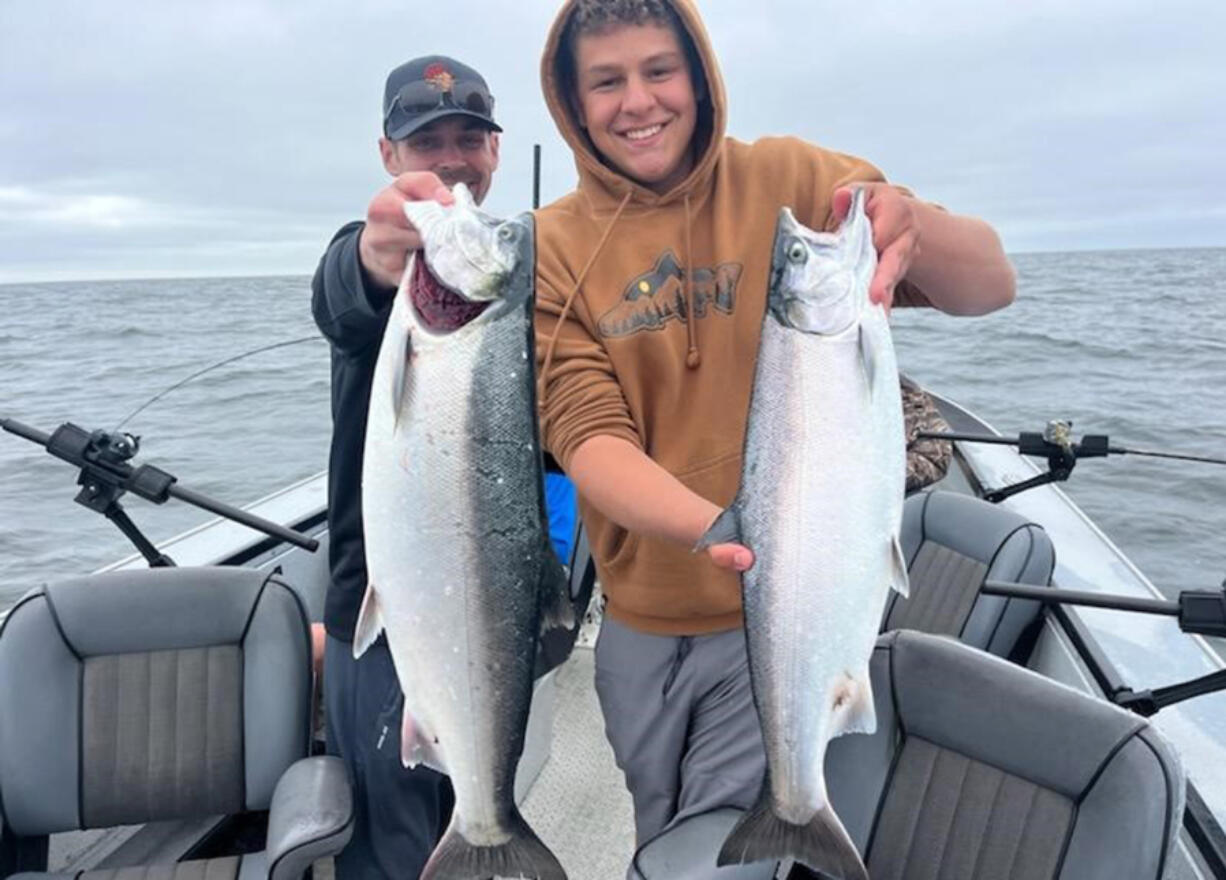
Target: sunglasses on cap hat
[{"x": 423, "y": 96}]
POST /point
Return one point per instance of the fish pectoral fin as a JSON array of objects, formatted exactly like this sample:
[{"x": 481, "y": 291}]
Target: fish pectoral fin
[
  {"x": 418, "y": 745},
  {"x": 557, "y": 607},
  {"x": 868, "y": 358},
  {"x": 861, "y": 712},
  {"x": 899, "y": 579},
  {"x": 725, "y": 530},
  {"x": 402, "y": 382},
  {"x": 370, "y": 623}
]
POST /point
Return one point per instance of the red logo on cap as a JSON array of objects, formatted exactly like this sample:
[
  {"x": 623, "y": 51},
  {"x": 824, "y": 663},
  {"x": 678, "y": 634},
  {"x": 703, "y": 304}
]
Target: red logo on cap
[{"x": 439, "y": 77}]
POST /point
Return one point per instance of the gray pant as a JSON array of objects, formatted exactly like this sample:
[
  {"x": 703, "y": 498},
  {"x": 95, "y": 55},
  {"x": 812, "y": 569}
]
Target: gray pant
[{"x": 679, "y": 714}]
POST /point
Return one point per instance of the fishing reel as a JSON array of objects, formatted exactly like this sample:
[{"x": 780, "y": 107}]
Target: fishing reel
[
  {"x": 1056, "y": 444},
  {"x": 105, "y": 474}
]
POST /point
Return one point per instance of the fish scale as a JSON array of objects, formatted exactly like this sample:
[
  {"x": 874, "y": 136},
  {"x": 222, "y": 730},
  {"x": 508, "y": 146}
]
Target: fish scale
[
  {"x": 463, "y": 577},
  {"x": 820, "y": 504}
]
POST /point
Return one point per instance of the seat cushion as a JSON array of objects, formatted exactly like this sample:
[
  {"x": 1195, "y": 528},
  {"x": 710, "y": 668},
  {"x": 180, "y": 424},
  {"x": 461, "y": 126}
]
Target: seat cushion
[
  {"x": 687, "y": 851},
  {"x": 204, "y": 869},
  {"x": 161, "y": 694},
  {"x": 982, "y": 769},
  {"x": 953, "y": 543}
]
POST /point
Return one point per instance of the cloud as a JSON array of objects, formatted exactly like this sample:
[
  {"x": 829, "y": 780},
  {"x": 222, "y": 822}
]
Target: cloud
[{"x": 255, "y": 121}]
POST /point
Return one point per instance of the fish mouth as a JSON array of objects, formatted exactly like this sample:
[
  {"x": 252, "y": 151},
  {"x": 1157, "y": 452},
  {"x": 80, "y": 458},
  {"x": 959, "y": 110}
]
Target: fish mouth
[{"x": 439, "y": 308}]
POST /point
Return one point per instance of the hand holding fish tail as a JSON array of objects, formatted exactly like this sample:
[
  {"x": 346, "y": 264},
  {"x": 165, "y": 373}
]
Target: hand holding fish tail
[
  {"x": 896, "y": 234},
  {"x": 388, "y": 237}
]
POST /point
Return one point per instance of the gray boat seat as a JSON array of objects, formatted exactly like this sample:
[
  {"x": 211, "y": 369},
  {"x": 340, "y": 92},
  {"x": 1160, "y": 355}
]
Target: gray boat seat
[
  {"x": 142, "y": 696},
  {"x": 952, "y": 544},
  {"x": 687, "y": 851},
  {"x": 981, "y": 769}
]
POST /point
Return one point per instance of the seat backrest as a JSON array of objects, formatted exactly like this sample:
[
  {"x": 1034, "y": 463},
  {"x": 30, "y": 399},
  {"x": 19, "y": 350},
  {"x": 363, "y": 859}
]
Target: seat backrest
[
  {"x": 136, "y": 696},
  {"x": 953, "y": 543},
  {"x": 687, "y": 851},
  {"x": 983, "y": 769}
]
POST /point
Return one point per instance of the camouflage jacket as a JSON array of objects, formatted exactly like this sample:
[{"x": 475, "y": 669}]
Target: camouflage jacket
[{"x": 927, "y": 460}]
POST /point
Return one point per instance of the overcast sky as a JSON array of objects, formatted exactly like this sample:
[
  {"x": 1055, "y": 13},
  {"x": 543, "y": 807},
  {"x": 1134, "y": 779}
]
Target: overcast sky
[{"x": 144, "y": 138}]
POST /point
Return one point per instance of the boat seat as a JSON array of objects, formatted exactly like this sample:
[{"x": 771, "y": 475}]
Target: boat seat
[
  {"x": 979, "y": 769},
  {"x": 953, "y": 543},
  {"x": 687, "y": 851},
  {"x": 1006, "y": 774},
  {"x": 177, "y": 693}
]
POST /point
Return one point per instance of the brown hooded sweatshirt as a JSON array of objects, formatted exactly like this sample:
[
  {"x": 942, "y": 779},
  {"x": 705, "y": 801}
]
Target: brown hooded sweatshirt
[{"x": 666, "y": 295}]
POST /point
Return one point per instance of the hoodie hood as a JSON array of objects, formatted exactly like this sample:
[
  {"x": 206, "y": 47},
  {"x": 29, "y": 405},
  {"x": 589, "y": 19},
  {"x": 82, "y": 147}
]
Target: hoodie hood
[{"x": 604, "y": 186}]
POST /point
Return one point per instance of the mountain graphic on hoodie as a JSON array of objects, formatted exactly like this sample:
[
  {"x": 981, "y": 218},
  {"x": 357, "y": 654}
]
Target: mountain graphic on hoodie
[{"x": 656, "y": 297}]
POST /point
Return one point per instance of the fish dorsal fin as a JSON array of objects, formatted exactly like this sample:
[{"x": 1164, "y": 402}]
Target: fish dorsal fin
[
  {"x": 557, "y": 609},
  {"x": 725, "y": 530},
  {"x": 899, "y": 579},
  {"x": 370, "y": 623}
]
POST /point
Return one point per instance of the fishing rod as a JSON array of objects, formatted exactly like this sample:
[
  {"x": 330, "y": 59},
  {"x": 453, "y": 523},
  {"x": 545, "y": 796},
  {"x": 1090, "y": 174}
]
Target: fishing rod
[
  {"x": 1056, "y": 444},
  {"x": 209, "y": 369},
  {"x": 1199, "y": 612},
  {"x": 106, "y": 475},
  {"x": 536, "y": 176}
]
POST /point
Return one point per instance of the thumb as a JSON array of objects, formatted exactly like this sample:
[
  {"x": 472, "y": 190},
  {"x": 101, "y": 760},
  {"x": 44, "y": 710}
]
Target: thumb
[
  {"x": 840, "y": 203},
  {"x": 731, "y": 556}
]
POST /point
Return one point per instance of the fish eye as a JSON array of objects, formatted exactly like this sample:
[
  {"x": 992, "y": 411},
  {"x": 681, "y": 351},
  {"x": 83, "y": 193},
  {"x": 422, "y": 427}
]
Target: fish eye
[
  {"x": 797, "y": 252},
  {"x": 506, "y": 232}
]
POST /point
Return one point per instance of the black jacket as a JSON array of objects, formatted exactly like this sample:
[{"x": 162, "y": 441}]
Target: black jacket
[{"x": 351, "y": 311}]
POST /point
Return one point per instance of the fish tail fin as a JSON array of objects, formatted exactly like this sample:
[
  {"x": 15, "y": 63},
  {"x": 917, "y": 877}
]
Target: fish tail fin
[
  {"x": 822, "y": 844},
  {"x": 524, "y": 855},
  {"x": 557, "y": 605},
  {"x": 725, "y": 530}
]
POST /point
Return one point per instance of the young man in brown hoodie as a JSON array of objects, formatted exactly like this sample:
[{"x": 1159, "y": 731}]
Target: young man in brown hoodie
[{"x": 651, "y": 284}]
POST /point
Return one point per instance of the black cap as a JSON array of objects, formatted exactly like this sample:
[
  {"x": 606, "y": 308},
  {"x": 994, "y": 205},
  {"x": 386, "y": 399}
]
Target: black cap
[{"x": 433, "y": 87}]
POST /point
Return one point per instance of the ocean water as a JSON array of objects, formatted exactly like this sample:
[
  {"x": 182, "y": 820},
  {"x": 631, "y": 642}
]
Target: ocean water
[{"x": 1127, "y": 344}]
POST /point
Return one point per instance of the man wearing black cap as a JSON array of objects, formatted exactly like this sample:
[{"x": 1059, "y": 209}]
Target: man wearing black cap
[{"x": 438, "y": 130}]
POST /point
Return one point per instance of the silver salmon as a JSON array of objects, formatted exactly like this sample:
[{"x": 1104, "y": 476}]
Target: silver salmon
[
  {"x": 820, "y": 504},
  {"x": 463, "y": 578}
]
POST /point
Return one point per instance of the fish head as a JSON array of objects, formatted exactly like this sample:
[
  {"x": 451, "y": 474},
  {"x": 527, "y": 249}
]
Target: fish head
[
  {"x": 471, "y": 253},
  {"x": 819, "y": 280}
]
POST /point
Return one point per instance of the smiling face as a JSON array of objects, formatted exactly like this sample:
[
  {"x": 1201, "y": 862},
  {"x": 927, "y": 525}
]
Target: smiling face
[
  {"x": 456, "y": 148},
  {"x": 635, "y": 96}
]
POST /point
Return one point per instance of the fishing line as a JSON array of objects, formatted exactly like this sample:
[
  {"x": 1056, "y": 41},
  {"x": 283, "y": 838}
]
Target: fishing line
[
  {"x": 1177, "y": 455},
  {"x": 199, "y": 373}
]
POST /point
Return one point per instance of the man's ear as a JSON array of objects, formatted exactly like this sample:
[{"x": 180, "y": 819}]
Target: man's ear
[
  {"x": 387, "y": 152},
  {"x": 495, "y": 143}
]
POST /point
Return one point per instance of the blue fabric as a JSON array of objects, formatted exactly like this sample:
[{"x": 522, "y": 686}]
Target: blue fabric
[{"x": 560, "y": 506}]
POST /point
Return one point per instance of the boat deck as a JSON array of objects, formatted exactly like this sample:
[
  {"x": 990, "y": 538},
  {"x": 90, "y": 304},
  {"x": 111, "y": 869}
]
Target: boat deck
[{"x": 579, "y": 804}]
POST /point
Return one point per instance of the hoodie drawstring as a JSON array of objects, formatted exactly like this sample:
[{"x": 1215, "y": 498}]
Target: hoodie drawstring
[
  {"x": 692, "y": 356},
  {"x": 542, "y": 386}
]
